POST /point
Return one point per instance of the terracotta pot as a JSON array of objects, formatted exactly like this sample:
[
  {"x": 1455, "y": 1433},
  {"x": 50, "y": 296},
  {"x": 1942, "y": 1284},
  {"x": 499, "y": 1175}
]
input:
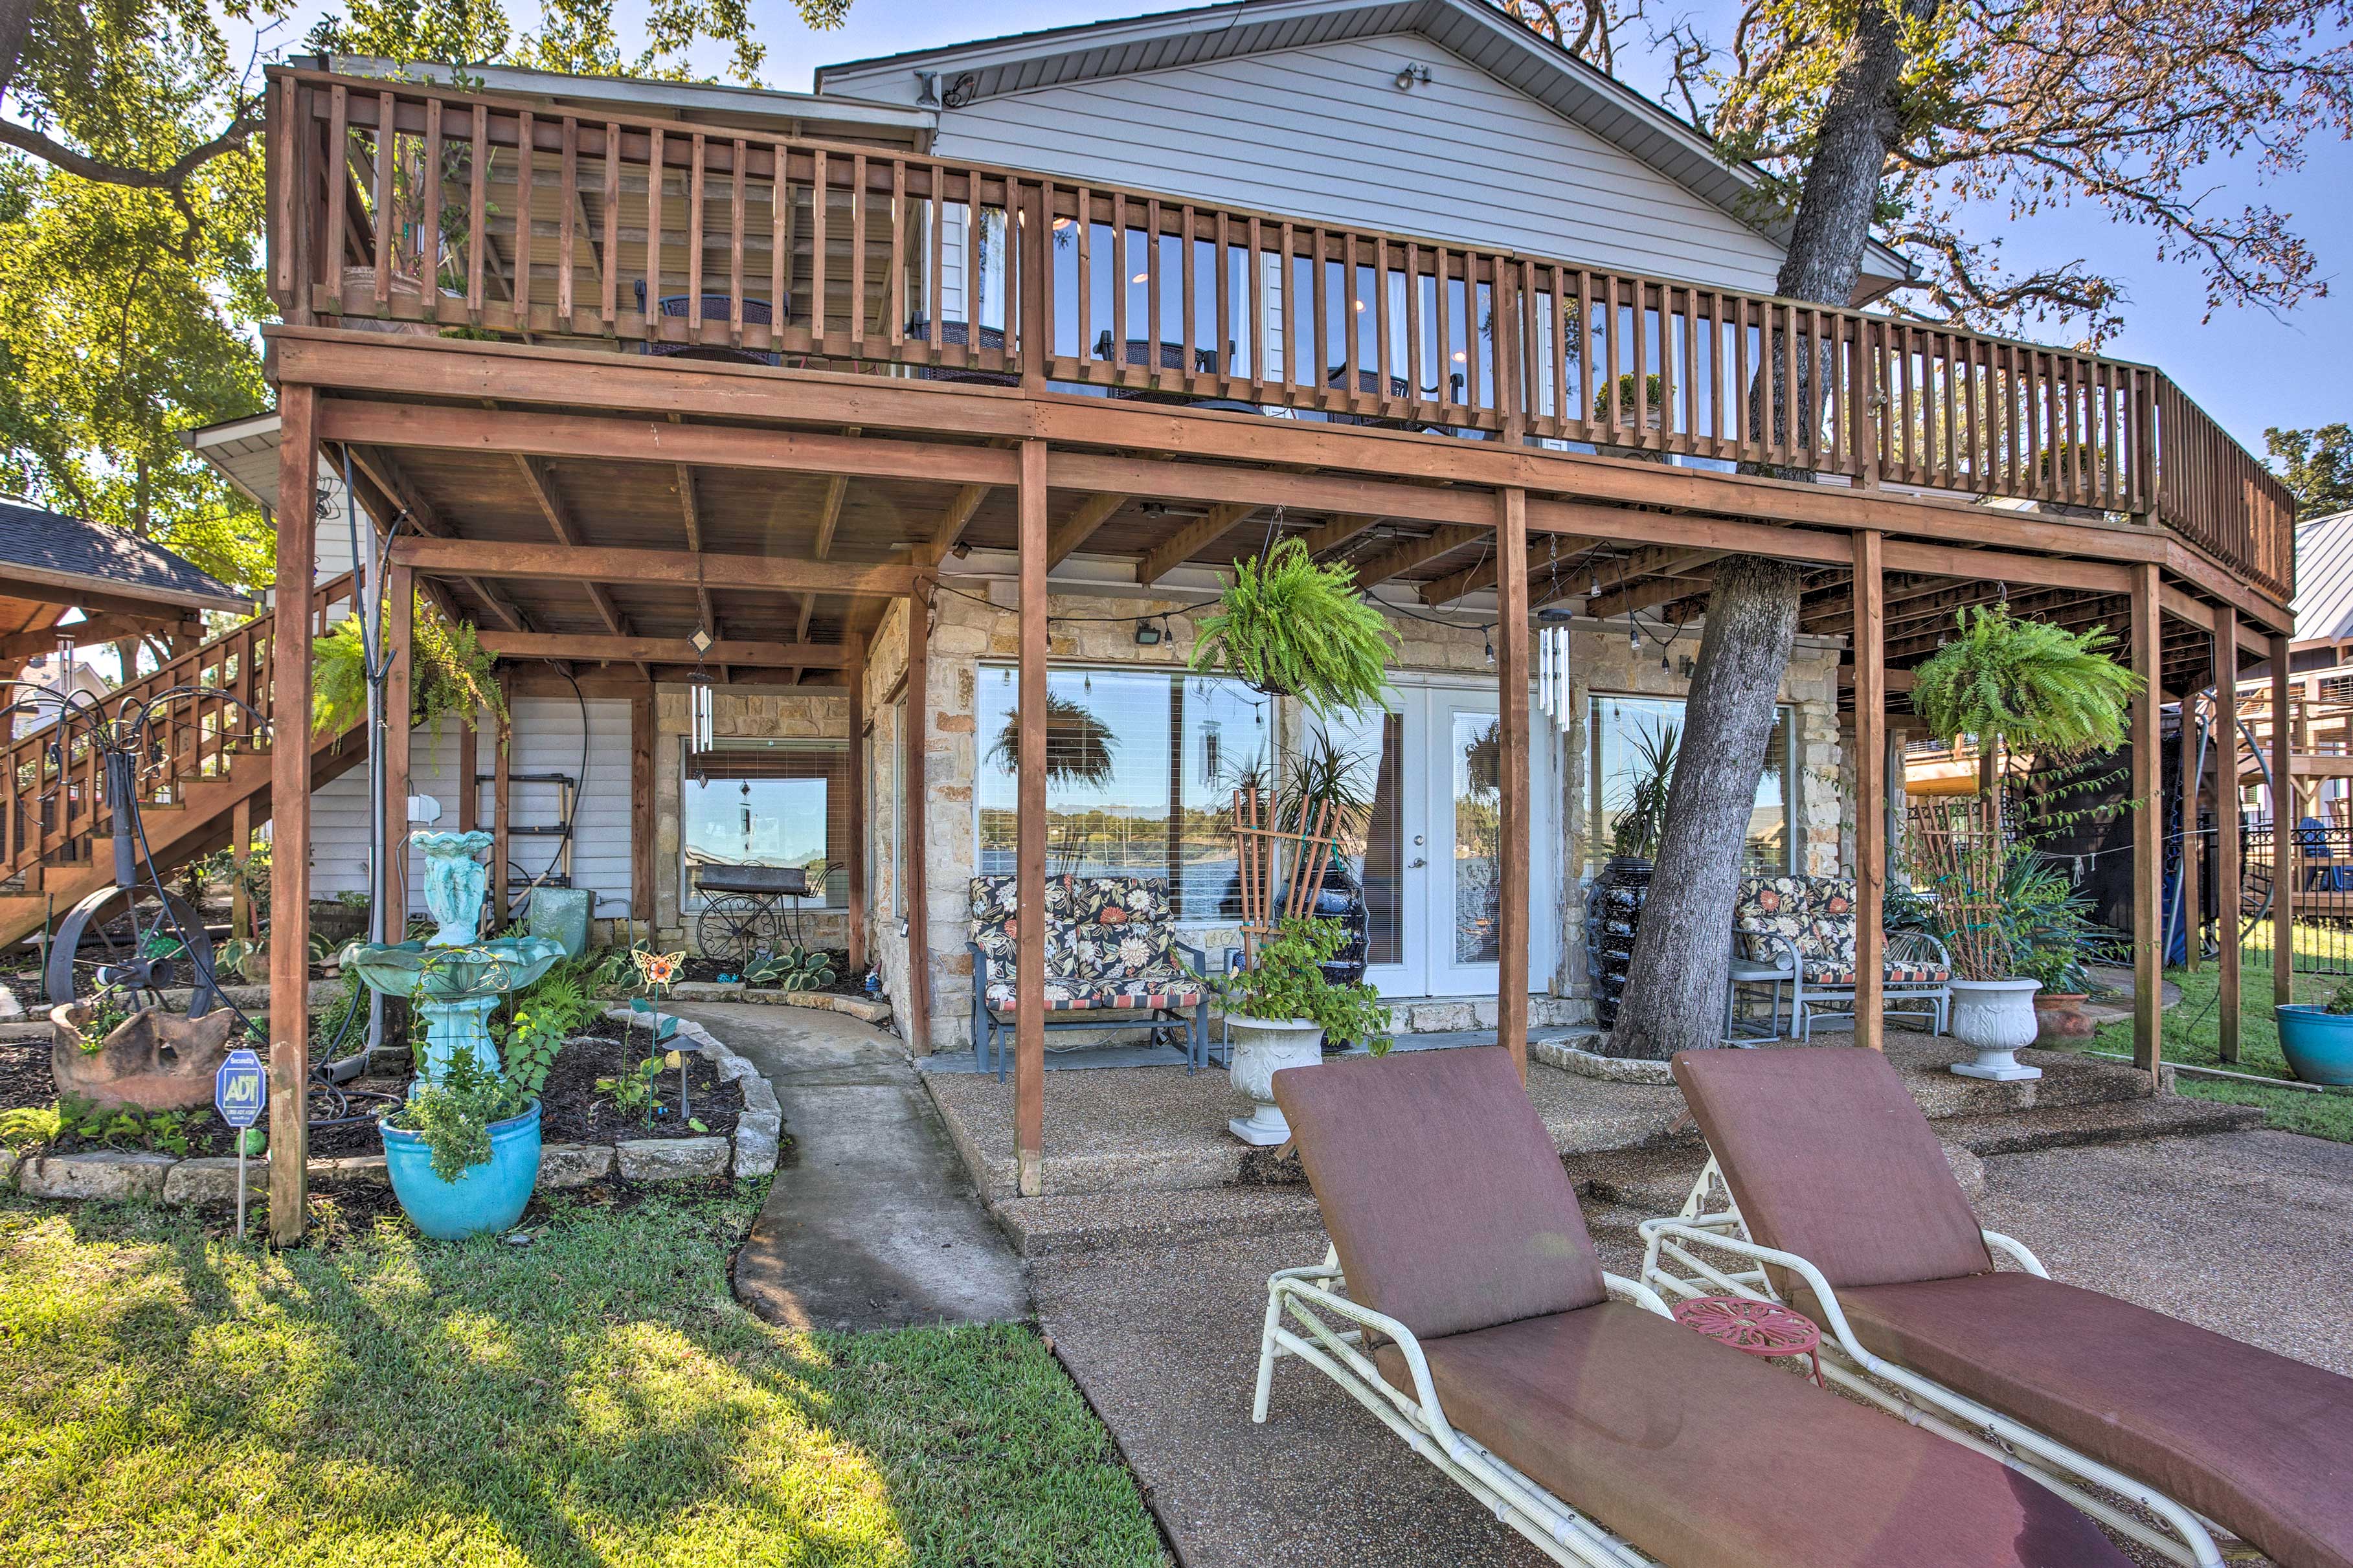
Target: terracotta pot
[
  {"x": 2060, "y": 1019},
  {"x": 153, "y": 1060}
]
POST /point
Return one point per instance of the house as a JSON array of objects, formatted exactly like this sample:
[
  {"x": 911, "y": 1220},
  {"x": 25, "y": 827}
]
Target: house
[{"x": 880, "y": 417}]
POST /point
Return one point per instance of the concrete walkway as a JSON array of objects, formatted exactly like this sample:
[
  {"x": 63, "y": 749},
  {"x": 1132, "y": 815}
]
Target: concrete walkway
[{"x": 871, "y": 1222}]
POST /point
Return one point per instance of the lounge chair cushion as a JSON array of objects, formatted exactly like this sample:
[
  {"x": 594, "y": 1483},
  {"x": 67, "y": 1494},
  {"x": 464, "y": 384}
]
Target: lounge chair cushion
[
  {"x": 1442, "y": 1189},
  {"x": 1828, "y": 1158},
  {"x": 2261, "y": 1444},
  {"x": 1705, "y": 1459}
]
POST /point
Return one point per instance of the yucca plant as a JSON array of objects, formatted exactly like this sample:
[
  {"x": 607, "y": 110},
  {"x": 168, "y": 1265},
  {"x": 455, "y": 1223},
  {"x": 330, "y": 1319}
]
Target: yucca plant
[
  {"x": 1291, "y": 628},
  {"x": 2031, "y": 685}
]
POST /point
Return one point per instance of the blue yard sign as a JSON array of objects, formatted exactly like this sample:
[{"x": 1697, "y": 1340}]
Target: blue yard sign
[{"x": 241, "y": 1089}]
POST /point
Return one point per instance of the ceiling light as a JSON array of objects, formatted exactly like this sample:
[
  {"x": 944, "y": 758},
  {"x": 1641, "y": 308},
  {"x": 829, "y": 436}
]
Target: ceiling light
[{"x": 1146, "y": 634}]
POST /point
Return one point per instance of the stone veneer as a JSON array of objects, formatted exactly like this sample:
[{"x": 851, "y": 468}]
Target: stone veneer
[{"x": 965, "y": 632}]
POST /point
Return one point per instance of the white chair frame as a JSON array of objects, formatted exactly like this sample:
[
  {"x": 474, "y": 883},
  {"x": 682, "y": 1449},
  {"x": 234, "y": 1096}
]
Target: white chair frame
[
  {"x": 1673, "y": 1266},
  {"x": 1306, "y": 1295}
]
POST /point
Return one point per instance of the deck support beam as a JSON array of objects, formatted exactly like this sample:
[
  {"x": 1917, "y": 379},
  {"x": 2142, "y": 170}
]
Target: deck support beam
[
  {"x": 1512, "y": 714},
  {"x": 2226, "y": 827},
  {"x": 642, "y": 729},
  {"x": 1030, "y": 857},
  {"x": 2287, "y": 844},
  {"x": 501, "y": 801},
  {"x": 1870, "y": 789},
  {"x": 2190, "y": 906},
  {"x": 2149, "y": 829},
  {"x": 913, "y": 791},
  {"x": 399, "y": 640},
  {"x": 855, "y": 782},
  {"x": 290, "y": 807}
]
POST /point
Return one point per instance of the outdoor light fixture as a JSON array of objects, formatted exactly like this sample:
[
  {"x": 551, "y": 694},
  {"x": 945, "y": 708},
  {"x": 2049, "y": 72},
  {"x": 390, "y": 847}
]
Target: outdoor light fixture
[
  {"x": 1146, "y": 634},
  {"x": 1411, "y": 77}
]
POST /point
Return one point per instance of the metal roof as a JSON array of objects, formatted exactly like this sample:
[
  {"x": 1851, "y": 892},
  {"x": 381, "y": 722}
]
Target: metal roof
[
  {"x": 48, "y": 555},
  {"x": 2324, "y": 578},
  {"x": 1476, "y": 31}
]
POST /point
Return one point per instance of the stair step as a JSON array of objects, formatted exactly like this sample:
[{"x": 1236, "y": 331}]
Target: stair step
[
  {"x": 1083, "y": 1221},
  {"x": 2117, "y": 1121}
]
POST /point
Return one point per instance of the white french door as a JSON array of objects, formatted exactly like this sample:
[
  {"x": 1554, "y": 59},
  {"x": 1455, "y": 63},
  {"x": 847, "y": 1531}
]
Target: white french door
[{"x": 1430, "y": 868}]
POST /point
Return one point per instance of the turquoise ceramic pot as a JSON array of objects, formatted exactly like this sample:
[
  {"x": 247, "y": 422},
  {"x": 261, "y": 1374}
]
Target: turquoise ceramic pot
[
  {"x": 487, "y": 1197},
  {"x": 2318, "y": 1045}
]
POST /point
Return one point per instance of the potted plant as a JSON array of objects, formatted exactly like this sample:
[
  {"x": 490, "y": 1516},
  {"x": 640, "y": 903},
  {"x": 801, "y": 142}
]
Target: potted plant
[
  {"x": 2051, "y": 939},
  {"x": 2027, "y": 686},
  {"x": 1291, "y": 628},
  {"x": 1277, "y": 1013},
  {"x": 1327, "y": 783},
  {"x": 2319, "y": 1041}
]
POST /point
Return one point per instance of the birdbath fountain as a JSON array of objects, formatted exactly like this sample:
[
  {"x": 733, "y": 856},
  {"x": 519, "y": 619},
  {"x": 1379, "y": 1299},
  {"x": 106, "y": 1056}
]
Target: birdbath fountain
[{"x": 454, "y": 978}]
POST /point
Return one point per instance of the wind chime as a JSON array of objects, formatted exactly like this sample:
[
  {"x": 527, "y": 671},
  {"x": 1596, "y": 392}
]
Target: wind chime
[
  {"x": 698, "y": 685},
  {"x": 1552, "y": 658}
]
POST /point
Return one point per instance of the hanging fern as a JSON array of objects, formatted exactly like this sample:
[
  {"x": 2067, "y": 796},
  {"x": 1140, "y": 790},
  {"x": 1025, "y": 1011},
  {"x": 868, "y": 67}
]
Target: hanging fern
[
  {"x": 1292, "y": 628},
  {"x": 450, "y": 674},
  {"x": 2041, "y": 688}
]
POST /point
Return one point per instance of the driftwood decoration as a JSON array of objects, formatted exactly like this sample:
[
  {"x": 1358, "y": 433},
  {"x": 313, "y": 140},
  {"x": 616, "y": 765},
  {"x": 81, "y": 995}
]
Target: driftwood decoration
[{"x": 1277, "y": 887}]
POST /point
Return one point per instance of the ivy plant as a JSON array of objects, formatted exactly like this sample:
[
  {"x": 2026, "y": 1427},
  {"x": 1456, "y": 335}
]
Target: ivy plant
[{"x": 1292, "y": 627}]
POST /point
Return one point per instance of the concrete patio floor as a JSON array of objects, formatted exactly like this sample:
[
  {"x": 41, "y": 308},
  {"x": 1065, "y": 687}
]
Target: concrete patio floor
[{"x": 2243, "y": 1232}]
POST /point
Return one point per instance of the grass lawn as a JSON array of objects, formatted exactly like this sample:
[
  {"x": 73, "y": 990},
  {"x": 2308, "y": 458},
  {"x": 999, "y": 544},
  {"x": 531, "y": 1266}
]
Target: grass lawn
[
  {"x": 2193, "y": 1034},
  {"x": 597, "y": 1397}
]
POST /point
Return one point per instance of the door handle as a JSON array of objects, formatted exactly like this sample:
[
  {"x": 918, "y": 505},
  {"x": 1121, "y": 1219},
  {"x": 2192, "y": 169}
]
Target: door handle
[{"x": 1415, "y": 864}]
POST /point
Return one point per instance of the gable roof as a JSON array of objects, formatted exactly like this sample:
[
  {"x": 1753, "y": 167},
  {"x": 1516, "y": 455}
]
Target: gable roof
[
  {"x": 2324, "y": 578},
  {"x": 49, "y": 556},
  {"x": 1475, "y": 30}
]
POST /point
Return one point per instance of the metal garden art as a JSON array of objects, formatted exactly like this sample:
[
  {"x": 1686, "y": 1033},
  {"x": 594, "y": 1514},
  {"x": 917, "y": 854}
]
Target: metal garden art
[
  {"x": 637, "y": 1090},
  {"x": 463, "y": 1152}
]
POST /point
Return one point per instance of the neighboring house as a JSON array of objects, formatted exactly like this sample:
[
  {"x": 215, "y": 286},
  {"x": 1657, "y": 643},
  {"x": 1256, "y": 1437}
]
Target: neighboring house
[{"x": 50, "y": 681}]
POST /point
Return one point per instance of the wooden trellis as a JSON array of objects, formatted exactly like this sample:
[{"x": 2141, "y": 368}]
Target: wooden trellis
[
  {"x": 1276, "y": 887},
  {"x": 1957, "y": 855}
]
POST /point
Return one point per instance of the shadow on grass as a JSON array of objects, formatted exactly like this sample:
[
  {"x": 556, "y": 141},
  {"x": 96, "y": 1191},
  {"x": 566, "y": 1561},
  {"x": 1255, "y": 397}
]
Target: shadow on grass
[{"x": 594, "y": 1397}]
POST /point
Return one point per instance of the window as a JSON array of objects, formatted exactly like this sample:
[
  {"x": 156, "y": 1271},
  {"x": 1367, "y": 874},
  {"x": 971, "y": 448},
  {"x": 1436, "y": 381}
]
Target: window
[
  {"x": 1630, "y": 736},
  {"x": 767, "y": 802},
  {"x": 1141, "y": 768}
]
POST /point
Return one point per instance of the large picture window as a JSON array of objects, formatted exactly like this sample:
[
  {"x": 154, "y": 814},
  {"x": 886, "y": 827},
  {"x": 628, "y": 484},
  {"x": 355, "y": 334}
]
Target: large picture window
[
  {"x": 1141, "y": 768},
  {"x": 1632, "y": 737},
  {"x": 767, "y": 802}
]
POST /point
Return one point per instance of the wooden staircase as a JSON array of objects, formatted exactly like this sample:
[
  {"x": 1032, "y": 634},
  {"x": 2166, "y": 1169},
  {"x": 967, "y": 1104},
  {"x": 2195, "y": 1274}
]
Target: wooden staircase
[{"x": 204, "y": 759}]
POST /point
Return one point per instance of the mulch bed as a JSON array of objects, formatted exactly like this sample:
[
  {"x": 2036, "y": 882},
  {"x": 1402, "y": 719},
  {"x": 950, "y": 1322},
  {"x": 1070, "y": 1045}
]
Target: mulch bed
[{"x": 572, "y": 1108}]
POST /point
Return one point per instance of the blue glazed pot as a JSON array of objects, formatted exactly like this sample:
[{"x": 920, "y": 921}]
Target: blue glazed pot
[
  {"x": 487, "y": 1197},
  {"x": 2318, "y": 1045}
]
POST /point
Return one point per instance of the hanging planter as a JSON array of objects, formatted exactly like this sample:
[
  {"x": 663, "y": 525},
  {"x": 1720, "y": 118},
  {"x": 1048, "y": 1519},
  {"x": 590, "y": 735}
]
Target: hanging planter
[{"x": 1289, "y": 627}]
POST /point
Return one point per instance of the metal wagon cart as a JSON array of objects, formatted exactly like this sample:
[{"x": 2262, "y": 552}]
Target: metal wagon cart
[{"x": 743, "y": 913}]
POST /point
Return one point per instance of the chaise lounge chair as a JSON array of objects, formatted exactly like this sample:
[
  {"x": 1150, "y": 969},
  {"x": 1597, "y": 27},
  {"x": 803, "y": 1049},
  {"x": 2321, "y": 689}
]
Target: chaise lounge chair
[
  {"x": 1827, "y": 1189},
  {"x": 1604, "y": 1432}
]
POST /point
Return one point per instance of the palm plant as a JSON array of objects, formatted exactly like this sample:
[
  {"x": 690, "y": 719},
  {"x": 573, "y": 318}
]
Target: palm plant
[
  {"x": 1644, "y": 816},
  {"x": 1079, "y": 745}
]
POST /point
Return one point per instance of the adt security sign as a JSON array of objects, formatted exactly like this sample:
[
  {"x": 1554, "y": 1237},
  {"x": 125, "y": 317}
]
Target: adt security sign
[
  {"x": 240, "y": 1093},
  {"x": 241, "y": 1089}
]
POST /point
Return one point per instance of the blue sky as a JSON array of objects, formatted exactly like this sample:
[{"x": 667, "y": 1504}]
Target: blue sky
[{"x": 2248, "y": 369}]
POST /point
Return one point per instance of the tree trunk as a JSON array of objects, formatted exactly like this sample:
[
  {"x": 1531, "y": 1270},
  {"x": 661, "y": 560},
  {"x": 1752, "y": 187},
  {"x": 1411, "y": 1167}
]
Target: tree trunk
[{"x": 1675, "y": 982}]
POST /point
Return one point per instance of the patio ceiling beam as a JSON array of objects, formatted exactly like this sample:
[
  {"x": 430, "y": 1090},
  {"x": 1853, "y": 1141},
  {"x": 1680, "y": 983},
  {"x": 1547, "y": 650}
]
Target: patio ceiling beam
[
  {"x": 381, "y": 470},
  {"x": 663, "y": 650},
  {"x": 801, "y": 621},
  {"x": 676, "y": 568},
  {"x": 1472, "y": 579},
  {"x": 690, "y": 517},
  {"x": 1337, "y": 531},
  {"x": 1080, "y": 525},
  {"x": 1651, "y": 576},
  {"x": 542, "y": 484},
  {"x": 952, "y": 523},
  {"x": 85, "y": 632},
  {"x": 1415, "y": 552},
  {"x": 1180, "y": 546},
  {"x": 532, "y": 433},
  {"x": 829, "y": 512}
]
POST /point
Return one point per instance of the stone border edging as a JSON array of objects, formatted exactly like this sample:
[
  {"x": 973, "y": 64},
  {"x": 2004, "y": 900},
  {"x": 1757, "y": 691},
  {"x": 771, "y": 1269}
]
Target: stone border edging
[
  {"x": 859, "y": 1007},
  {"x": 1592, "y": 1064},
  {"x": 759, "y": 1127}
]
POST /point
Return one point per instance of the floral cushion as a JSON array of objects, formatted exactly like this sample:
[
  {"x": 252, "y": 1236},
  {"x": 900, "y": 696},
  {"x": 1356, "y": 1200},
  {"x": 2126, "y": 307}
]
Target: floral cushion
[
  {"x": 1815, "y": 914},
  {"x": 1894, "y": 972},
  {"x": 1109, "y": 996},
  {"x": 1101, "y": 931}
]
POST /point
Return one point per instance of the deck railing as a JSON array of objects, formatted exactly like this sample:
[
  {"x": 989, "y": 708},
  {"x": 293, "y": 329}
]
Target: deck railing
[{"x": 416, "y": 206}]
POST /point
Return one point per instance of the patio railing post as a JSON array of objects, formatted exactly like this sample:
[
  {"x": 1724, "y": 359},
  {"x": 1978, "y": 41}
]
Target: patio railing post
[
  {"x": 2227, "y": 869},
  {"x": 2148, "y": 827},
  {"x": 1870, "y": 787},
  {"x": 1511, "y": 711},
  {"x": 399, "y": 633},
  {"x": 2287, "y": 844},
  {"x": 913, "y": 791},
  {"x": 289, "y": 810},
  {"x": 1029, "y": 858},
  {"x": 854, "y": 673}
]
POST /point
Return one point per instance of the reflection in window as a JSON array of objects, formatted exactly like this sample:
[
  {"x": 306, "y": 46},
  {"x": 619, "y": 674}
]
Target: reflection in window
[
  {"x": 1141, "y": 767},
  {"x": 1631, "y": 736},
  {"x": 1477, "y": 750},
  {"x": 767, "y": 803}
]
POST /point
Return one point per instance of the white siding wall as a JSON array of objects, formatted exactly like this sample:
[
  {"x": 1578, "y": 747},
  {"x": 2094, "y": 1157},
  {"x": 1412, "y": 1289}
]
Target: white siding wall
[
  {"x": 547, "y": 741},
  {"x": 1324, "y": 132}
]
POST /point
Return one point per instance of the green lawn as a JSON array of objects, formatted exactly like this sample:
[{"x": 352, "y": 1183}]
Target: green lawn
[
  {"x": 2193, "y": 1034},
  {"x": 169, "y": 1397}
]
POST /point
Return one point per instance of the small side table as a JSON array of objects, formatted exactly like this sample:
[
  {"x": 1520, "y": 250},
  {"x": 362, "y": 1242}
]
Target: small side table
[
  {"x": 1747, "y": 972},
  {"x": 1762, "y": 1329}
]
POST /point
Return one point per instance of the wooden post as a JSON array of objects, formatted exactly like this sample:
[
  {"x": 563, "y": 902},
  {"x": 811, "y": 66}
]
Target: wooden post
[
  {"x": 2226, "y": 826},
  {"x": 399, "y": 641},
  {"x": 641, "y": 808},
  {"x": 2148, "y": 828},
  {"x": 913, "y": 789},
  {"x": 1898, "y": 802},
  {"x": 289, "y": 810},
  {"x": 240, "y": 851},
  {"x": 500, "y": 795},
  {"x": 2193, "y": 900},
  {"x": 1870, "y": 789},
  {"x": 855, "y": 782},
  {"x": 1029, "y": 858},
  {"x": 469, "y": 793},
  {"x": 2287, "y": 848},
  {"x": 1512, "y": 714}
]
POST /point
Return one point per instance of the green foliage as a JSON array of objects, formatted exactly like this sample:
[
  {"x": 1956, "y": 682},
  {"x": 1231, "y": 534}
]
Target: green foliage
[
  {"x": 2047, "y": 924},
  {"x": 344, "y": 1014},
  {"x": 1322, "y": 778},
  {"x": 107, "y": 1014},
  {"x": 1642, "y": 818},
  {"x": 27, "y": 1125},
  {"x": 1079, "y": 746},
  {"x": 2317, "y": 465},
  {"x": 2340, "y": 1001},
  {"x": 633, "y": 1091},
  {"x": 1287, "y": 982},
  {"x": 1291, "y": 628},
  {"x": 799, "y": 970},
  {"x": 166, "y": 1131},
  {"x": 451, "y": 675},
  {"x": 545, "y": 1015},
  {"x": 454, "y": 1116},
  {"x": 2041, "y": 688}
]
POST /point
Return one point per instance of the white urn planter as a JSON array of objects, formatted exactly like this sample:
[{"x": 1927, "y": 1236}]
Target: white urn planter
[
  {"x": 1996, "y": 1019},
  {"x": 1262, "y": 1047}
]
